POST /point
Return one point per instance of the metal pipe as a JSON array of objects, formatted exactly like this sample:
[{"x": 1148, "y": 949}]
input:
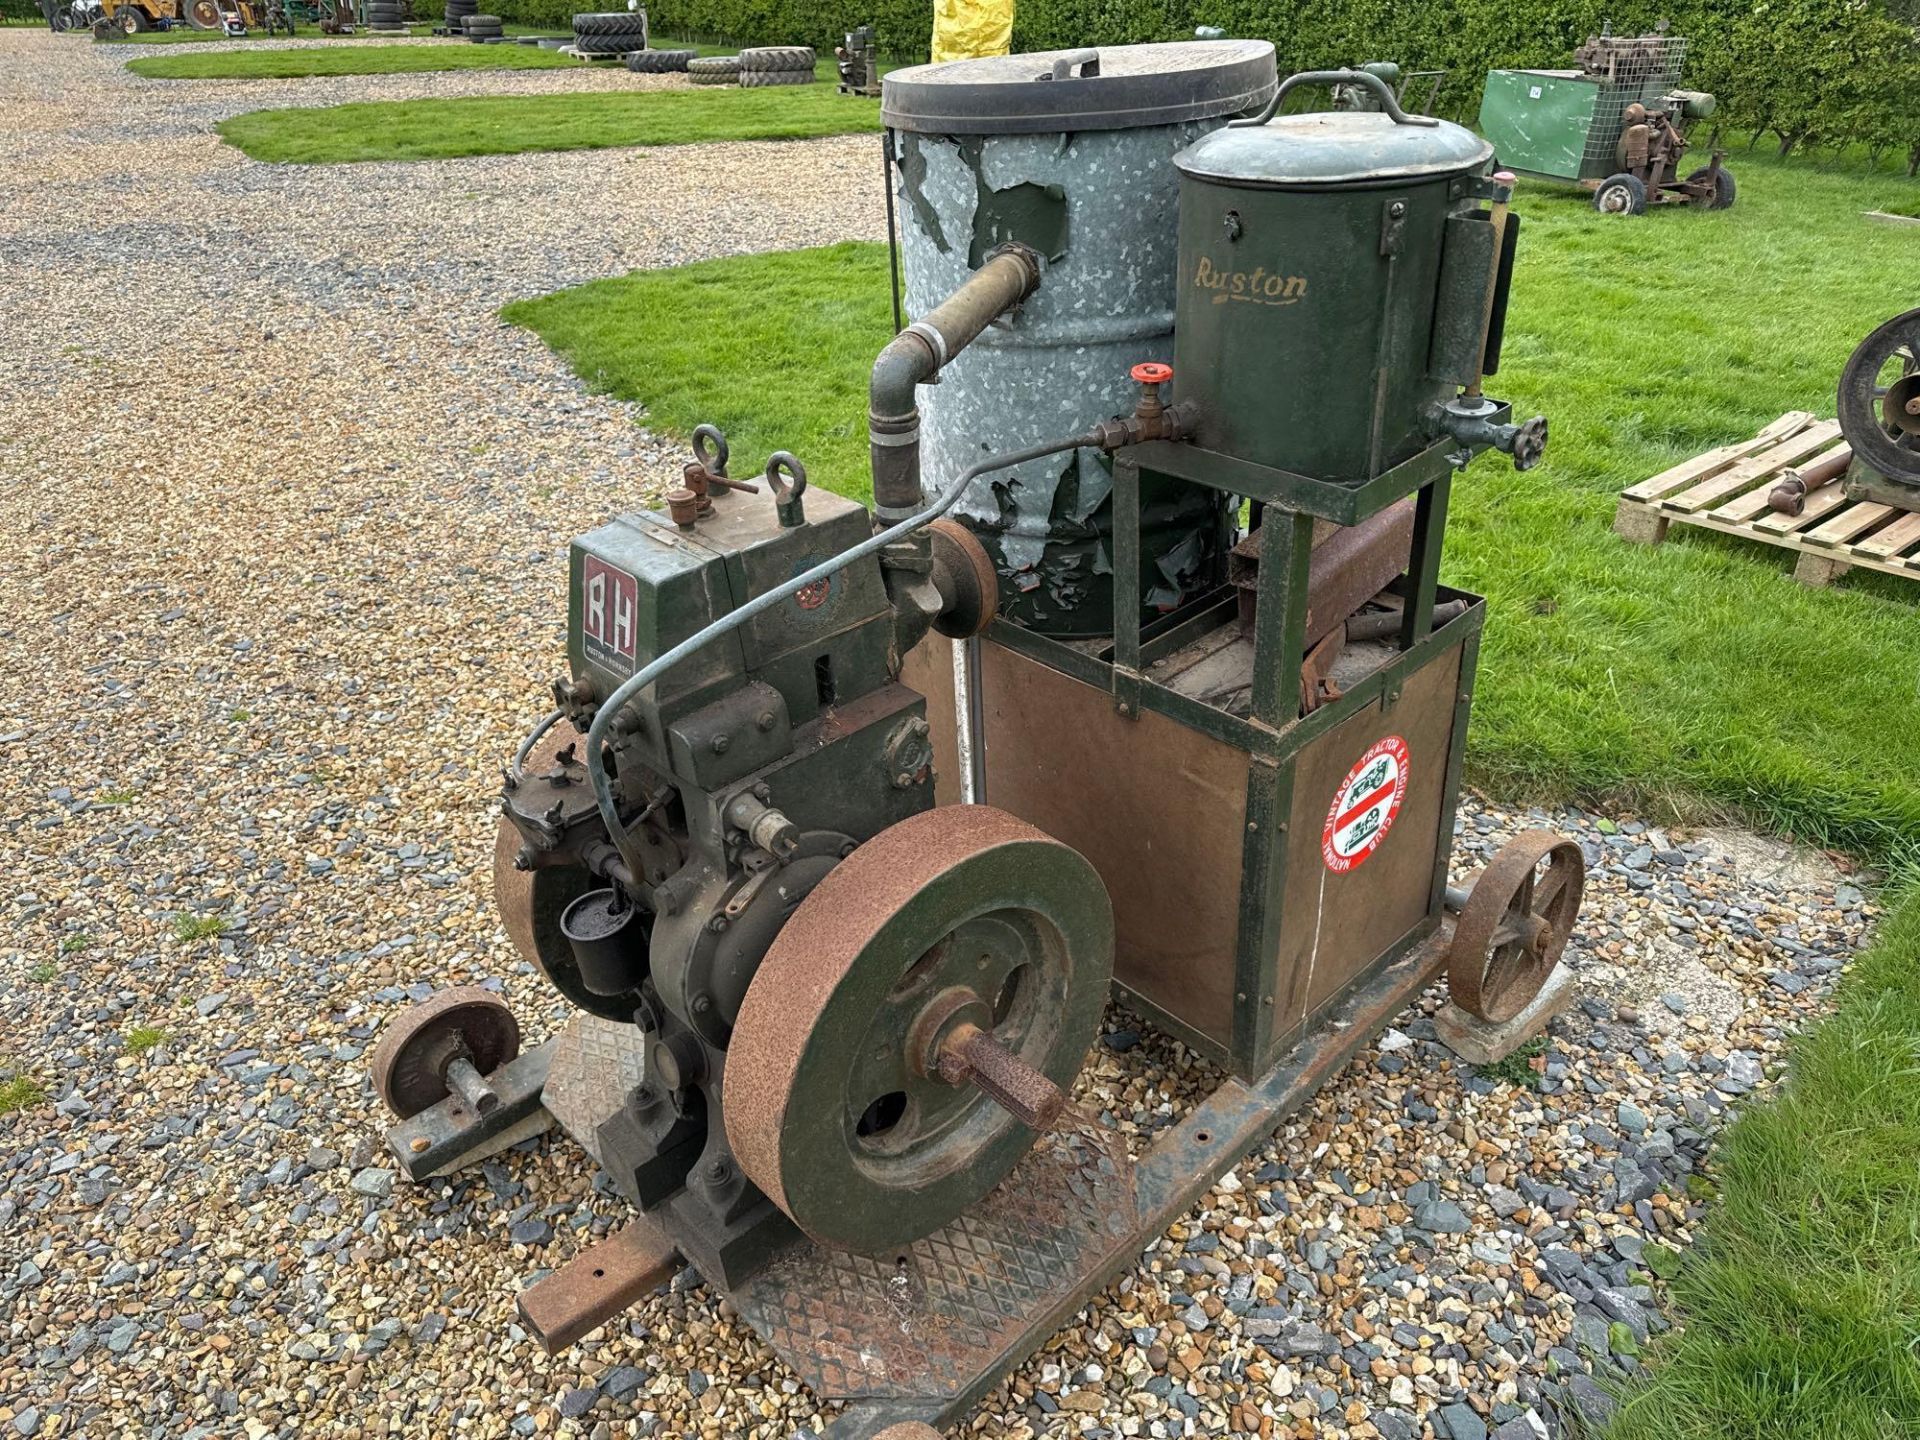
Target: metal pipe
[
  {"x": 917, "y": 354},
  {"x": 526, "y": 746},
  {"x": 600, "y": 731}
]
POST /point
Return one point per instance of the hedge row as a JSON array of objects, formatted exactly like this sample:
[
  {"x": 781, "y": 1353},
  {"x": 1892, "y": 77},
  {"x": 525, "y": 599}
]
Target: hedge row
[{"x": 1816, "y": 73}]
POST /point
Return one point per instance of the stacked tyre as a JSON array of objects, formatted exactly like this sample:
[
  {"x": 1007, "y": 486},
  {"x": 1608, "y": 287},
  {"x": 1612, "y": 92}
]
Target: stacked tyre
[
  {"x": 386, "y": 15},
  {"x": 457, "y": 13},
  {"x": 613, "y": 32},
  {"x": 776, "y": 65},
  {"x": 659, "y": 62},
  {"x": 714, "y": 70},
  {"x": 482, "y": 28}
]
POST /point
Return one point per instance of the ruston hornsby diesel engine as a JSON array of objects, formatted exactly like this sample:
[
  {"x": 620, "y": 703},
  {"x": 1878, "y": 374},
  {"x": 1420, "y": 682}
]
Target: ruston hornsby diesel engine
[{"x": 1160, "y": 477}]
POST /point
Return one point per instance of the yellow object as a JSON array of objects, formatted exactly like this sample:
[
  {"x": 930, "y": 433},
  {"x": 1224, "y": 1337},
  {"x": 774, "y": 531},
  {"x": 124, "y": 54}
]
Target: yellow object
[{"x": 968, "y": 29}]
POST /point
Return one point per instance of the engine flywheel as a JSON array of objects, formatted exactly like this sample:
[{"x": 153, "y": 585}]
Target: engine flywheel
[{"x": 916, "y": 1023}]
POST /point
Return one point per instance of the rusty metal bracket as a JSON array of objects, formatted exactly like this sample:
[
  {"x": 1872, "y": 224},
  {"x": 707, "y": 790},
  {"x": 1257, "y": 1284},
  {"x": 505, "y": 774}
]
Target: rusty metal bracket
[
  {"x": 599, "y": 1283},
  {"x": 453, "y": 1134}
]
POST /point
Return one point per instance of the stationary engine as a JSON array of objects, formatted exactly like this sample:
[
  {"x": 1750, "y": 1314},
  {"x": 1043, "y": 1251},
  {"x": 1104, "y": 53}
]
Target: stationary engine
[
  {"x": 735, "y": 782},
  {"x": 1223, "y": 754}
]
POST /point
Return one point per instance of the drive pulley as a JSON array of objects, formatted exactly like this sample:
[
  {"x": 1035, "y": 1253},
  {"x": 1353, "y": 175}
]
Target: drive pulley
[{"x": 915, "y": 1022}]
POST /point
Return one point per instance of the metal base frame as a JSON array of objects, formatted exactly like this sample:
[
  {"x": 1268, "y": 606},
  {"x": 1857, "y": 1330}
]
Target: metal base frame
[{"x": 926, "y": 1332}]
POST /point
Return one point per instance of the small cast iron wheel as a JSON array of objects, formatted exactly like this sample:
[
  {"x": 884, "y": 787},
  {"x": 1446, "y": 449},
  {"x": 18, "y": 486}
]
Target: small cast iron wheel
[
  {"x": 532, "y": 901},
  {"x": 962, "y": 569},
  {"x": 954, "y": 918},
  {"x": 1880, "y": 399},
  {"x": 1723, "y": 191},
  {"x": 1515, "y": 924},
  {"x": 1621, "y": 194},
  {"x": 464, "y": 1023}
]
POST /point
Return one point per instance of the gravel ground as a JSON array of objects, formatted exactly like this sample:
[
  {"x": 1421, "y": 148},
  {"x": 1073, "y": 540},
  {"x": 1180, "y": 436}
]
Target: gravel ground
[{"x": 299, "y": 507}]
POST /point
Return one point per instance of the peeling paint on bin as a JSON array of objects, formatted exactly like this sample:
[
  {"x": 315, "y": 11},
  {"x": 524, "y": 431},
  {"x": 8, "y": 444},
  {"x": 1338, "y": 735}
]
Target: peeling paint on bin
[{"x": 1101, "y": 205}]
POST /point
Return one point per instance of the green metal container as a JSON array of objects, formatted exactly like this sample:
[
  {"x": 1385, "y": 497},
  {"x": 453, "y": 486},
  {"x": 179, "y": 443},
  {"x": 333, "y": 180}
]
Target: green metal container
[{"x": 1334, "y": 272}]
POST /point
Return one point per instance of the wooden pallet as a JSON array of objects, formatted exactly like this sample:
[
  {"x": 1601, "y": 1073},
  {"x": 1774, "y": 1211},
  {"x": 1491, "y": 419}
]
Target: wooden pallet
[{"x": 1726, "y": 490}]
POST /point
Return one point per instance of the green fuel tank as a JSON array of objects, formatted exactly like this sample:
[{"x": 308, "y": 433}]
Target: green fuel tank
[{"x": 1334, "y": 276}]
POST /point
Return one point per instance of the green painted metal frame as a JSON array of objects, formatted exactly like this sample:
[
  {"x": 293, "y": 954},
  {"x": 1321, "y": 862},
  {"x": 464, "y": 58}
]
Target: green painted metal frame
[{"x": 1275, "y": 733}]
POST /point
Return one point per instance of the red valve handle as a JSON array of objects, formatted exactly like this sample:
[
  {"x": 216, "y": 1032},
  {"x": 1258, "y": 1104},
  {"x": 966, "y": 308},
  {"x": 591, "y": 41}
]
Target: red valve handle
[{"x": 1150, "y": 372}]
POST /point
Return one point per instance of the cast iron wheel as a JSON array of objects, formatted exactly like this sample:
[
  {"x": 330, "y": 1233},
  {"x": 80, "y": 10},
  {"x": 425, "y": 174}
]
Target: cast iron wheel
[
  {"x": 1880, "y": 399},
  {"x": 1621, "y": 194},
  {"x": 1724, "y": 192},
  {"x": 132, "y": 21},
  {"x": 531, "y": 902},
  {"x": 1515, "y": 924},
  {"x": 203, "y": 15},
  {"x": 953, "y": 919},
  {"x": 410, "y": 1063}
]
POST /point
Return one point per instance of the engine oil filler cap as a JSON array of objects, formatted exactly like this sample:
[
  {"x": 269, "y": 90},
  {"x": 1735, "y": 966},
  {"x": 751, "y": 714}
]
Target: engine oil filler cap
[
  {"x": 1114, "y": 87},
  {"x": 1322, "y": 149}
]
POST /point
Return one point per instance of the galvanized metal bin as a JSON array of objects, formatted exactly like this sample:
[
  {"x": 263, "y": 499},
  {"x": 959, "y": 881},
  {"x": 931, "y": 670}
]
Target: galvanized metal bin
[{"x": 1067, "y": 152}]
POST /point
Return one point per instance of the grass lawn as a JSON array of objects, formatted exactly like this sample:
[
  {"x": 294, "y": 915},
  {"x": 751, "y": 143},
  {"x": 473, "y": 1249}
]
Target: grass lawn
[
  {"x": 509, "y": 125},
  {"x": 340, "y": 60},
  {"x": 1802, "y": 1309}
]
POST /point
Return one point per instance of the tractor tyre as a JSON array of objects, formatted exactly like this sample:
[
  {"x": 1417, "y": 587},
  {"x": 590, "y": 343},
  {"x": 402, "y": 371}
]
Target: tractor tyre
[
  {"x": 1725, "y": 192},
  {"x": 777, "y": 57},
  {"x": 132, "y": 21},
  {"x": 611, "y": 22},
  {"x": 606, "y": 44},
  {"x": 1621, "y": 194},
  {"x": 760, "y": 79},
  {"x": 714, "y": 69},
  {"x": 203, "y": 14},
  {"x": 658, "y": 62}
]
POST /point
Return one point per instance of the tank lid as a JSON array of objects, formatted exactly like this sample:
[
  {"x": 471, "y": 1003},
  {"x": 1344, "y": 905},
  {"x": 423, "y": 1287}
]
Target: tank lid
[
  {"x": 1332, "y": 147},
  {"x": 1114, "y": 87}
]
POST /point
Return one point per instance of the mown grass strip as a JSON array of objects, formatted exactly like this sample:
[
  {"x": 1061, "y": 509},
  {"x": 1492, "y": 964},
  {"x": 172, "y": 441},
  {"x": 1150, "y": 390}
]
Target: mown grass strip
[
  {"x": 320, "y": 60},
  {"x": 512, "y": 125},
  {"x": 1694, "y": 672},
  {"x": 1801, "y": 1307}
]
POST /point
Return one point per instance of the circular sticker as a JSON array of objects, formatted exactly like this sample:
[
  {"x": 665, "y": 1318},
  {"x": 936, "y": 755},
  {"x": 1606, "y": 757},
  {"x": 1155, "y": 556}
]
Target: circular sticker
[
  {"x": 1365, "y": 805},
  {"x": 812, "y": 597}
]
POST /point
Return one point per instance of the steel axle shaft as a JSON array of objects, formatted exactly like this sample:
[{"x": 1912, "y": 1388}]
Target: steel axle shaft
[{"x": 971, "y": 1055}]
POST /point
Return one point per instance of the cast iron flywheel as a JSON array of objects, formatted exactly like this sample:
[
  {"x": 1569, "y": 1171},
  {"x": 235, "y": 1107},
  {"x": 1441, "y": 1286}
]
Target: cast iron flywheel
[
  {"x": 923, "y": 1011},
  {"x": 1880, "y": 400},
  {"x": 411, "y": 1061}
]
